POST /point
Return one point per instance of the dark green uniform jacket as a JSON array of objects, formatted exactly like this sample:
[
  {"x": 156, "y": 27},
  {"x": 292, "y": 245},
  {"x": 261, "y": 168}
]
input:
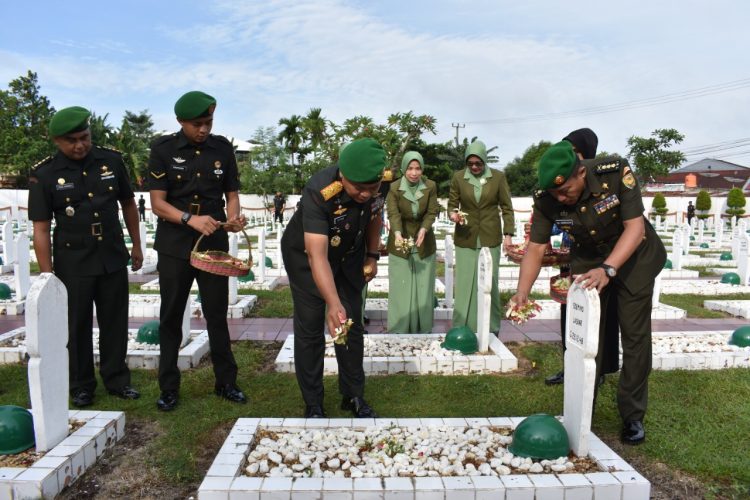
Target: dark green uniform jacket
[
  {"x": 595, "y": 223},
  {"x": 195, "y": 178},
  {"x": 401, "y": 216},
  {"x": 483, "y": 217},
  {"x": 83, "y": 196}
]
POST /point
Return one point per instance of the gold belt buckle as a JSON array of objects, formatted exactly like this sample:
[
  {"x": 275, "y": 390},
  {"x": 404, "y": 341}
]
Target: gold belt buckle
[
  {"x": 195, "y": 208},
  {"x": 96, "y": 229}
]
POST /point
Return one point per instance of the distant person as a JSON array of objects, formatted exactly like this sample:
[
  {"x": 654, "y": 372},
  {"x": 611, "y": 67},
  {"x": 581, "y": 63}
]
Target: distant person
[
  {"x": 412, "y": 207},
  {"x": 690, "y": 211},
  {"x": 483, "y": 194},
  {"x": 142, "y": 208},
  {"x": 279, "y": 204},
  {"x": 80, "y": 187}
]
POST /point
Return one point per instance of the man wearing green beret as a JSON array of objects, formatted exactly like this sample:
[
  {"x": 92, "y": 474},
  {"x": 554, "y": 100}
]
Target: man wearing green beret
[
  {"x": 191, "y": 173},
  {"x": 330, "y": 250},
  {"x": 80, "y": 187},
  {"x": 613, "y": 249}
]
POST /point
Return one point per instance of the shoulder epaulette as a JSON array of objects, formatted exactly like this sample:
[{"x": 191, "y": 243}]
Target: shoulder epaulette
[
  {"x": 110, "y": 149},
  {"x": 221, "y": 138},
  {"x": 40, "y": 163},
  {"x": 331, "y": 190},
  {"x": 162, "y": 139},
  {"x": 608, "y": 165},
  {"x": 387, "y": 175}
]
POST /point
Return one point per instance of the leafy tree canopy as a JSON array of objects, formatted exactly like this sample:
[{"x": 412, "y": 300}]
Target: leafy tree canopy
[
  {"x": 652, "y": 157},
  {"x": 521, "y": 172}
]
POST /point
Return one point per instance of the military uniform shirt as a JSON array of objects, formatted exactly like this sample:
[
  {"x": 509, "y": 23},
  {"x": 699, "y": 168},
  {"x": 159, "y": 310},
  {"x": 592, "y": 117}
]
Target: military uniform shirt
[
  {"x": 595, "y": 223},
  {"x": 195, "y": 177},
  {"x": 325, "y": 208},
  {"x": 82, "y": 197}
]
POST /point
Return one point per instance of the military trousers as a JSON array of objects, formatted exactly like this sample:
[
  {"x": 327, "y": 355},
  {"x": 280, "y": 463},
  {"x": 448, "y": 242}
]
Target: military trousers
[
  {"x": 309, "y": 339},
  {"x": 634, "y": 318},
  {"x": 175, "y": 279},
  {"x": 110, "y": 294}
]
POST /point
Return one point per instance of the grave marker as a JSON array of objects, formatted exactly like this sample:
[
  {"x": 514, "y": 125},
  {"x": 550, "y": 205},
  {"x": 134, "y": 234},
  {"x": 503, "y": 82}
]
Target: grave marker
[
  {"x": 582, "y": 342},
  {"x": 484, "y": 298},
  {"x": 186, "y": 322},
  {"x": 701, "y": 227},
  {"x": 449, "y": 271},
  {"x": 718, "y": 229},
  {"x": 262, "y": 251},
  {"x": 677, "y": 250},
  {"x": 21, "y": 269},
  {"x": 743, "y": 266},
  {"x": 46, "y": 340},
  {"x": 233, "y": 279},
  {"x": 9, "y": 250}
]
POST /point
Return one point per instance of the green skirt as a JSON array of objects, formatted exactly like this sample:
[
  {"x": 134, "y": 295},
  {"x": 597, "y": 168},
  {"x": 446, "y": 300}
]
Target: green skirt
[
  {"x": 465, "y": 289},
  {"x": 411, "y": 293}
]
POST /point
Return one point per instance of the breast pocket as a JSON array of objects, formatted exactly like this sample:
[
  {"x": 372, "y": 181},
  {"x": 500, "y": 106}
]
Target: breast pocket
[
  {"x": 177, "y": 174},
  {"x": 68, "y": 197},
  {"x": 108, "y": 185}
]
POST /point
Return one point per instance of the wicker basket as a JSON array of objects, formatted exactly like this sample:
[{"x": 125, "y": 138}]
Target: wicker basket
[
  {"x": 219, "y": 262},
  {"x": 558, "y": 294},
  {"x": 552, "y": 257}
]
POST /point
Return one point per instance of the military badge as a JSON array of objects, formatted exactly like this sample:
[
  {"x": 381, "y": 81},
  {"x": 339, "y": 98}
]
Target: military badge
[
  {"x": 559, "y": 180},
  {"x": 564, "y": 224},
  {"x": 628, "y": 180},
  {"x": 606, "y": 204},
  {"x": 335, "y": 240},
  {"x": 218, "y": 171},
  {"x": 177, "y": 159},
  {"x": 105, "y": 170},
  {"x": 340, "y": 210},
  {"x": 387, "y": 175},
  {"x": 331, "y": 190},
  {"x": 605, "y": 185},
  {"x": 70, "y": 211},
  {"x": 61, "y": 181},
  {"x": 217, "y": 164}
]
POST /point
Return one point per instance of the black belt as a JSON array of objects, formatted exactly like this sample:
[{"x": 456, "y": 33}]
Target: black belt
[
  {"x": 202, "y": 208},
  {"x": 95, "y": 229}
]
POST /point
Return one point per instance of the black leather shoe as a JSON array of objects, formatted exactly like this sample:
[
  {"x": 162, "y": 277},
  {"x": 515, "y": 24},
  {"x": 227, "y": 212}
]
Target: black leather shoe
[
  {"x": 358, "y": 407},
  {"x": 315, "y": 411},
  {"x": 366, "y": 320},
  {"x": 167, "y": 401},
  {"x": 556, "y": 379},
  {"x": 125, "y": 392},
  {"x": 82, "y": 398},
  {"x": 633, "y": 432},
  {"x": 232, "y": 393}
]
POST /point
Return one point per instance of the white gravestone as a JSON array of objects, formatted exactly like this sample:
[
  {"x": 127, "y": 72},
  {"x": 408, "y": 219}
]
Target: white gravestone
[
  {"x": 233, "y": 279},
  {"x": 582, "y": 342},
  {"x": 142, "y": 232},
  {"x": 677, "y": 251},
  {"x": 449, "y": 271},
  {"x": 262, "y": 251},
  {"x": 733, "y": 223},
  {"x": 46, "y": 340},
  {"x": 484, "y": 298},
  {"x": 279, "y": 260},
  {"x": 657, "y": 290},
  {"x": 743, "y": 266},
  {"x": 701, "y": 228},
  {"x": 21, "y": 267},
  {"x": 686, "y": 239},
  {"x": 186, "y": 323},
  {"x": 718, "y": 229},
  {"x": 678, "y": 217},
  {"x": 735, "y": 241},
  {"x": 9, "y": 250}
]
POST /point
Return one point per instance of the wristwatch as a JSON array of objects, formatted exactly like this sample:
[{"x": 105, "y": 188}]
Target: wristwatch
[
  {"x": 611, "y": 271},
  {"x": 374, "y": 255},
  {"x": 185, "y": 218}
]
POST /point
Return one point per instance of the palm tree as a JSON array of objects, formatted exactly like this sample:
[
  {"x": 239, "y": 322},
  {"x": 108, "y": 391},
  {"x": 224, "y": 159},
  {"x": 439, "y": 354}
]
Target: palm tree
[
  {"x": 291, "y": 136},
  {"x": 315, "y": 127}
]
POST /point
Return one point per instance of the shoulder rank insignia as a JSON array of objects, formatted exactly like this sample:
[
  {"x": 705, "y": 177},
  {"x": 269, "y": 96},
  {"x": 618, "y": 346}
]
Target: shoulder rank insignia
[
  {"x": 109, "y": 148},
  {"x": 540, "y": 193},
  {"x": 331, "y": 190},
  {"x": 157, "y": 176},
  {"x": 39, "y": 163},
  {"x": 387, "y": 175},
  {"x": 610, "y": 166}
]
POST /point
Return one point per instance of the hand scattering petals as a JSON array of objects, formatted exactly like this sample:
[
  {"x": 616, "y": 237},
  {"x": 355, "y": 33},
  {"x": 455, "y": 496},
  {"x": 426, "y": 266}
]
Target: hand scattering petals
[{"x": 519, "y": 315}]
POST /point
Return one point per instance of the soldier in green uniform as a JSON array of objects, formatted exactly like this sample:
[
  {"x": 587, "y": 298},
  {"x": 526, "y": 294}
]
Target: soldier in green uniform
[
  {"x": 412, "y": 208},
  {"x": 482, "y": 193},
  {"x": 330, "y": 249},
  {"x": 614, "y": 249},
  {"x": 190, "y": 174},
  {"x": 80, "y": 188}
]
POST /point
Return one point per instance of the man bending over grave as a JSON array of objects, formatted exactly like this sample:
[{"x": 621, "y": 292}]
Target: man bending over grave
[
  {"x": 613, "y": 249},
  {"x": 80, "y": 187}
]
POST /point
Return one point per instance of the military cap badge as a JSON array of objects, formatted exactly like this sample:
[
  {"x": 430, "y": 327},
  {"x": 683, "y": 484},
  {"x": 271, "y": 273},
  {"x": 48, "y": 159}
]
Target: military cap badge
[{"x": 559, "y": 180}]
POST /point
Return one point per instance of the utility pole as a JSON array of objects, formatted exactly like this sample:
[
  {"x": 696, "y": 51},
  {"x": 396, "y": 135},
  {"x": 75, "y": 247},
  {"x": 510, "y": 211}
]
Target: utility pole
[{"x": 458, "y": 126}]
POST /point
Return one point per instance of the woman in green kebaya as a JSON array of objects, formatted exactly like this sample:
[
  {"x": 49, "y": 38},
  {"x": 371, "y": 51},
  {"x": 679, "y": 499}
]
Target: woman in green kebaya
[
  {"x": 478, "y": 194},
  {"x": 412, "y": 207}
]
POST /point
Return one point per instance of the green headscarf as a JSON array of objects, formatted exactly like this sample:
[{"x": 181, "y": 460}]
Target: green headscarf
[
  {"x": 476, "y": 148},
  {"x": 412, "y": 192}
]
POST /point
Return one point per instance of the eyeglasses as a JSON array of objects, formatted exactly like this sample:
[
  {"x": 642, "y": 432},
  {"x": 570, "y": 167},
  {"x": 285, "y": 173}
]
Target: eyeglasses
[{"x": 474, "y": 163}]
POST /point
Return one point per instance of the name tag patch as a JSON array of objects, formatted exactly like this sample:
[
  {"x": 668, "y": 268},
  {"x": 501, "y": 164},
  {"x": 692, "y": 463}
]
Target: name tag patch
[
  {"x": 63, "y": 187},
  {"x": 564, "y": 224},
  {"x": 606, "y": 204}
]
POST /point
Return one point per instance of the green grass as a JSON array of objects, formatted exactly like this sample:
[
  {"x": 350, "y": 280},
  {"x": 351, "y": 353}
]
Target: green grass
[
  {"x": 711, "y": 445},
  {"x": 703, "y": 271},
  {"x": 272, "y": 304},
  {"x": 693, "y": 304}
]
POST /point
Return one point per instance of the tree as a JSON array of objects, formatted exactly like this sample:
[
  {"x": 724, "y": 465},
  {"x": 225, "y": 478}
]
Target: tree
[
  {"x": 267, "y": 169},
  {"x": 651, "y": 157},
  {"x": 291, "y": 135},
  {"x": 659, "y": 205},
  {"x": 522, "y": 172},
  {"x": 703, "y": 204},
  {"x": 24, "y": 117},
  {"x": 735, "y": 201},
  {"x": 133, "y": 139}
]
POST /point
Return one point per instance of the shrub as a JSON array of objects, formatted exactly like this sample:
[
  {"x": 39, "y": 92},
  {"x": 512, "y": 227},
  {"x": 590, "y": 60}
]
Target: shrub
[
  {"x": 703, "y": 204},
  {"x": 659, "y": 204},
  {"x": 735, "y": 201}
]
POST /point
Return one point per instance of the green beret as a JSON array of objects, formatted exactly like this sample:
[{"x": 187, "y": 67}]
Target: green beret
[
  {"x": 476, "y": 148},
  {"x": 363, "y": 161},
  {"x": 556, "y": 165},
  {"x": 68, "y": 120},
  {"x": 408, "y": 157},
  {"x": 193, "y": 105}
]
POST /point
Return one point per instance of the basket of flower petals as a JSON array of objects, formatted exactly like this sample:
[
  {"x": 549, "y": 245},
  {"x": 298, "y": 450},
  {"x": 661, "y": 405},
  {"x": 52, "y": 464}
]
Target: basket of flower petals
[
  {"x": 521, "y": 314},
  {"x": 220, "y": 262},
  {"x": 558, "y": 288}
]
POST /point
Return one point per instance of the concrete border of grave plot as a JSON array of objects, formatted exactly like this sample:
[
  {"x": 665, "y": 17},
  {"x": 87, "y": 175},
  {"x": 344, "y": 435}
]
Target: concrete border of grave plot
[
  {"x": 146, "y": 305},
  {"x": 499, "y": 359},
  {"x": 224, "y": 478},
  {"x": 189, "y": 356},
  {"x": 716, "y": 360},
  {"x": 65, "y": 463}
]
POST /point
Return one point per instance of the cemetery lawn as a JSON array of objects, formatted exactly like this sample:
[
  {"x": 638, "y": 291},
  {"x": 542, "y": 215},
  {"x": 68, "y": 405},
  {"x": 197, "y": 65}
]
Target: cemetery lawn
[
  {"x": 696, "y": 424},
  {"x": 693, "y": 304}
]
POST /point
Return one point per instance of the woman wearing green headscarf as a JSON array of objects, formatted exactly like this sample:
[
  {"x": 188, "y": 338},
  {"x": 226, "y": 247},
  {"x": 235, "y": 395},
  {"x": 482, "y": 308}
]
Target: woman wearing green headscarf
[
  {"x": 477, "y": 196},
  {"x": 412, "y": 207}
]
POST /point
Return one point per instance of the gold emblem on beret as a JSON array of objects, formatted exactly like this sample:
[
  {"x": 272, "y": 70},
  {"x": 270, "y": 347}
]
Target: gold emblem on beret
[
  {"x": 387, "y": 175},
  {"x": 335, "y": 240},
  {"x": 61, "y": 181},
  {"x": 559, "y": 180}
]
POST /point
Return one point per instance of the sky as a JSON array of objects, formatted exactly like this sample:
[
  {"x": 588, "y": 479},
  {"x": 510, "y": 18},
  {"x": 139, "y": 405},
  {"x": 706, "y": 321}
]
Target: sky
[{"x": 510, "y": 73}]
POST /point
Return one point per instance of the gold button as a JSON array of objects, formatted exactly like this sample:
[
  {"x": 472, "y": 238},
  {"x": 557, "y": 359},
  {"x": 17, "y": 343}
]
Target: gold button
[
  {"x": 583, "y": 209},
  {"x": 179, "y": 177},
  {"x": 199, "y": 174},
  {"x": 67, "y": 200},
  {"x": 99, "y": 238},
  {"x": 614, "y": 216},
  {"x": 111, "y": 188},
  {"x": 195, "y": 196},
  {"x": 85, "y": 174},
  {"x": 91, "y": 195},
  {"x": 197, "y": 152},
  {"x": 96, "y": 214},
  {"x": 592, "y": 232}
]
